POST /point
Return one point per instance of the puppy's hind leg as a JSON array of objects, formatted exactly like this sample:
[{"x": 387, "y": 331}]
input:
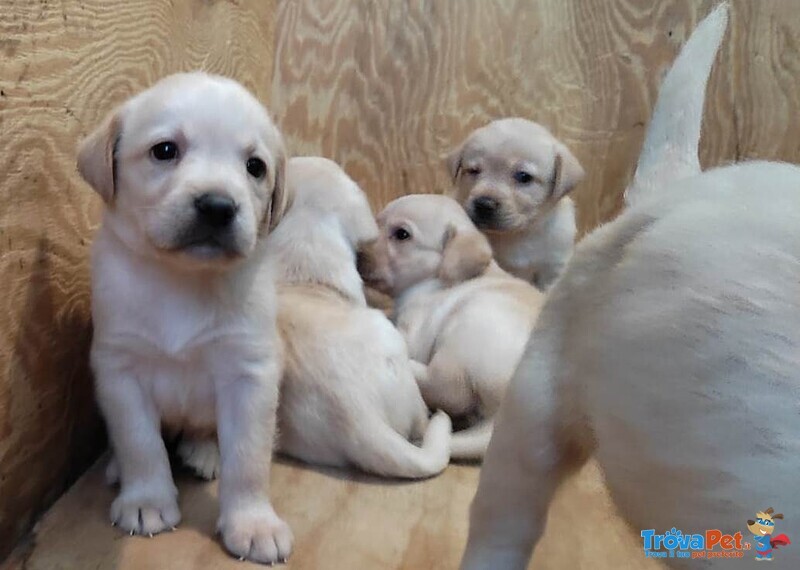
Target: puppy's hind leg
[
  {"x": 444, "y": 385},
  {"x": 201, "y": 455},
  {"x": 529, "y": 454}
]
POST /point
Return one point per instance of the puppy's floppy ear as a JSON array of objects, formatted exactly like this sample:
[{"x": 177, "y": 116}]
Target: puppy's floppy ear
[
  {"x": 453, "y": 162},
  {"x": 96, "y": 157},
  {"x": 466, "y": 254},
  {"x": 282, "y": 193},
  {"x": 567, "y": 172}
]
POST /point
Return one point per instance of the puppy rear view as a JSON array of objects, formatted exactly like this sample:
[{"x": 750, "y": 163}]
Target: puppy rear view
[
  {"x": 670, "y": 346},
  {"x": 191, "y": 173},
  {"x": 512, "y": 177},
  {"x": 349, "y": 395}
]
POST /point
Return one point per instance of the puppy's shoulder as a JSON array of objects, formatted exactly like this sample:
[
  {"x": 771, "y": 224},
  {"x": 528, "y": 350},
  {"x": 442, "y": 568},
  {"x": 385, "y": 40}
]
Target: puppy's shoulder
[{"x": 116, "y": 270}]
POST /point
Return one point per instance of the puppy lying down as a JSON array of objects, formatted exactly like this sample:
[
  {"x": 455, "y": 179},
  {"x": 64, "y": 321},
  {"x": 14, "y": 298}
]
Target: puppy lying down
[
  {"x": 466, "y": 321},
  {"x": 348, "y": 395},
  {"x": 513, "y": 178},
  {"x": 184, "y": 309},
  {"x": 670, "y": 347}
]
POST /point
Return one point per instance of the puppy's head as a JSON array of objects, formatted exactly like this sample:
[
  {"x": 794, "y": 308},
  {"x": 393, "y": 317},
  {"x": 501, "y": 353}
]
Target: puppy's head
[
  {"x": 509, "y": 172},
  {"x": 191, "y": 169},
  {"x": 423, "y": 237},
  {"x": 321, "y": 187}
]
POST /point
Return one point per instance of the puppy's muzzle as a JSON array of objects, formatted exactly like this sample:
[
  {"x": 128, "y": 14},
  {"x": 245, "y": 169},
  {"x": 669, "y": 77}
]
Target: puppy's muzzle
[
  {"x": 215, "y": 210},
  {"x": 484, "y": 211},
  {"x": 211, "y": 233},
  {"x": 370, "y": 269}
]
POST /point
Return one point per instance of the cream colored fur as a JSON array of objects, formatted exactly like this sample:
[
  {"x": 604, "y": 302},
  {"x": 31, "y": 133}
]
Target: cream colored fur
[
  {"x": 520, "y": 168},
  {"x": 465, "y": 320},
  {"x": 349, "y": 395},
  {"x": 670, "y": 347},
  {"x": 184, "y": 314}
]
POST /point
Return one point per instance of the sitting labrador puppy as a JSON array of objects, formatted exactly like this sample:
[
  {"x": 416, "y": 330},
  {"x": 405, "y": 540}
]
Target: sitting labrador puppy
[
  {"x": 191, "y": 172},
  {"x": 348, "y": 395},
  {"x": 512, "y": 177},
  {"x": 466, "y": 321},
  {"x": 670, "y": 346}
]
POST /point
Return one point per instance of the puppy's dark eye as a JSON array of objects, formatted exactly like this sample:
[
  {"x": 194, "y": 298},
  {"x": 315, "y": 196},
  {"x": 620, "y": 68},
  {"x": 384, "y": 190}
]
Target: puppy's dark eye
[
  {"x": 401, "y": 234},
  {"x": 523, "y": 177},
  {"x": 472, "y": 171},
  {"x": 256, "y": 167},
  {"x": 165, "y": 150}
]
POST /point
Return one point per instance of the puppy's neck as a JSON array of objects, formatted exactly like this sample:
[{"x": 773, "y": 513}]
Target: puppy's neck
[{"x": 308, "y": 250}]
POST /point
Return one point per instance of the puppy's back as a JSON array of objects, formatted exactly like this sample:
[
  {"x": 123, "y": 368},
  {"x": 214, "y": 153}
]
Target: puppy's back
[{"x": 686, "y": 340}]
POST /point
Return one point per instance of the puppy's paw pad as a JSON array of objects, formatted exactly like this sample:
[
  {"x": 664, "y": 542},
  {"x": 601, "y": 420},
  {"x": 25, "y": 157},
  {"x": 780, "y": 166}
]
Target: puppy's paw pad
[
  {"x": 201, "y": 456},
  {"x": 145, "y": 517},
  {"x": 256, "y": 534}
]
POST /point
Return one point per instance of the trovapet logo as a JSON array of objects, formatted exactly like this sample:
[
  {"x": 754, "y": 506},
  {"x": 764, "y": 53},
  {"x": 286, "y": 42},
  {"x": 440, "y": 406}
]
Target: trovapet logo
[
  {"x": 716, "y": 544},
  {"x": 710, "y": 544}
]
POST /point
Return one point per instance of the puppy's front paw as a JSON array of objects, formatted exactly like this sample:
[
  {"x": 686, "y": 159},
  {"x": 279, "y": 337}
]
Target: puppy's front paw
[
  {"x": 145, "y": 514},
  {"x": 201, "y": 456},
  {"x": 256, "y": 533}
]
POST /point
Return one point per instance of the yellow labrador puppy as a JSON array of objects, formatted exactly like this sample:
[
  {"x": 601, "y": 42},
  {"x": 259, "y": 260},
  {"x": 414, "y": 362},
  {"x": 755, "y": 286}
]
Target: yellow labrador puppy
[
  {"x": 512, "y": 177},
  {"x": 465, "y": 319},
  {"x": 349, "y": 395},
  {"x": 670, "y": 346},
  {"x": 191, "y": 172}
]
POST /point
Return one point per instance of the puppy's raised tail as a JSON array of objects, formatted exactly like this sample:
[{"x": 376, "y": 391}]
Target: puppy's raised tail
[
  {"x": 385, "y": 452},
  {"x": 670, "y": 146},
  {"x": 471, "y": 443}
]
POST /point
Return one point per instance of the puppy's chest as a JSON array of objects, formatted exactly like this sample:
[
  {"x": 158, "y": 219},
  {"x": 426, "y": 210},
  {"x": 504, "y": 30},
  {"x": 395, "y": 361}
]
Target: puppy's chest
[
  {"x": 177, "y": 327},
  {"x": 178, "y": 344},
  {"x": 184, "y": 393},
  {"x": 173, "y": 324}
]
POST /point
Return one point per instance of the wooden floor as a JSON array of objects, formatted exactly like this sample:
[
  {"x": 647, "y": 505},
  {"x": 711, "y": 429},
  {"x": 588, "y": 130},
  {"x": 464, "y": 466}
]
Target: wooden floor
[{"x": 340, "y": 521}]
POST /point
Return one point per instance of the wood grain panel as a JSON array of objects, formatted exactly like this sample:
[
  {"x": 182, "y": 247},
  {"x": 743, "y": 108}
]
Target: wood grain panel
[
  {"x": 63, "y": 66},
  {"x": 387, "y": 88},
  {"x": 340, "y": 520}
]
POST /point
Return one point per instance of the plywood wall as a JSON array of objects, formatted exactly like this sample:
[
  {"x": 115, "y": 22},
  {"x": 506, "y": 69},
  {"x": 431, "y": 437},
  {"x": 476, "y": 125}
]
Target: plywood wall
[{"x": 384, "y": 87}]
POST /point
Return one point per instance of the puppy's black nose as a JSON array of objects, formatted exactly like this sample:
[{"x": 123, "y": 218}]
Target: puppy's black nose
[
  {"x": 484, "y": 207},
  {"x": 216, "y": 210}
]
